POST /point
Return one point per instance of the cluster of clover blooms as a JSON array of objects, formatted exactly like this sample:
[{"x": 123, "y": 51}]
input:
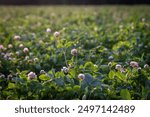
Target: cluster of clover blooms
[{"x": 133, "y": 64}]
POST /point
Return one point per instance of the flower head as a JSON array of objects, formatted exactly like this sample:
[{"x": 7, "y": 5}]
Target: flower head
[
  {"x": 65, "y": 70},
  {"x": 42, "y": 72},
  {"x": 146, "y": 66},
  {"x": 74, "y": 52},
  {"x": 35, "y": 59},
  {"x": 21, "y": 45},
  {"x": 31, "y": 76},
  {"x": 25, "y": 50},
  {"x": 81, "y": 76},
  {"x": 48, "y": 30},
  {"x": 134, "y": 64},
  {"x": 10, "y": 46},
  {"x": 56, "y": 34},
  {"x": 118, "y": 67},
  {"x": 1, "y": 47},
  {"x": 17, "y": 37}
]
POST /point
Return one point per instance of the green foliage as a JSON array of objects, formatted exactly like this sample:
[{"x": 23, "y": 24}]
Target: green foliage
[{"x": 104, "y": 37}]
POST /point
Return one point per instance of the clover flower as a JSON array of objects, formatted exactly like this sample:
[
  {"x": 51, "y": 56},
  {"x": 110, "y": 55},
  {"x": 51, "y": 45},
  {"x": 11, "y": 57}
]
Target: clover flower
[
  {"x": 118, "y": 67},
  {"x": 56, "y": 34},
  {"x": 31, "y": 75},
  {"x": 110, "y": 64},
  {"x": 42, "y": 72},
  {"x": 146, "y": 66},
  {"x": 35, "y": 59},
  {"x": 21, "y": 45},
  {"x": 134, "y": 64},
  {"x": 10, "y": 46},
  {"x": 81, "y": 76},
  {"x": 48, "y": 30},
  {"x": 17, "y": 37},
  {"x": 74, "y": 52},
  {"x": 1, "y": 47},
  {"x": 65, "y": 70},
  {"x": 25, "y": 50}
]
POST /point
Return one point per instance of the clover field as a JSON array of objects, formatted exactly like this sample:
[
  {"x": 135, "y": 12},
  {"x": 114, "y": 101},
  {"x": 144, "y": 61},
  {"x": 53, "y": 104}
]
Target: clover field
[{"x": 75, "y": 52}]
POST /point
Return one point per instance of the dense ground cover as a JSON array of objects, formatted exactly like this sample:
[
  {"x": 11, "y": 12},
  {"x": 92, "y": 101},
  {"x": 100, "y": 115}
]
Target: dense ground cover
[{"x": 75, "y": 52}]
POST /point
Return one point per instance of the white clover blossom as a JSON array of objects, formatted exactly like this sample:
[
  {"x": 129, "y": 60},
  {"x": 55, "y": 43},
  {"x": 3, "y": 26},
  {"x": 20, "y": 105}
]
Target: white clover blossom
[
  {"x": 134, "y": 64},
  {"x": 21, "y": 45},
  {"x": 48, "y": 30},
  {"x": 146, "y": 66},
  {"x": 81, "y": 76},
  {"x": 35, "y": 59},
  {"x": 65, "y": 70},
  {"x": 74, "y": 52},
  {"x": 10, "y": 46},
  {"x": 42, "y": 72},
  {"x": 31, "y": 75},
  {"x": 17, "y": 37},
  {"x": 25, "y": 50},
  {"x": 118, "y": 67}
]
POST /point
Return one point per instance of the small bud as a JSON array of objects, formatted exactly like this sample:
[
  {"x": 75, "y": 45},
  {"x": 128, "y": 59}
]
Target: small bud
[
  {"x": 81, "y": 76},
  {"x": 35, "y": 59},
  {"x": 143, "y": 19},
  {"x": 2, "y": 76},
  {"x": 110, "y": 64},
  {"x": 111, "y": 58},
  {"x": 42, "y": 72},
  {"x": 146, "y": 66},
  {"x": 31, "y": 76},
  {"x": 18, "y": 53},
  {"x": 74, "y": 52},
  {"x": 30, "y": 61}
]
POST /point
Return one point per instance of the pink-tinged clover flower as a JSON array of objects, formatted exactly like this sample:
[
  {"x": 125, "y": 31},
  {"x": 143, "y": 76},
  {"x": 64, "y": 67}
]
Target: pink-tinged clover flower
[
  {"x": 134, "y": 64},
  {"x": 74, "y": 52},
  {"x": 1, "y": 47},
  {"x": 31, "y": 75},
  {"x": 56, "y": 34}
]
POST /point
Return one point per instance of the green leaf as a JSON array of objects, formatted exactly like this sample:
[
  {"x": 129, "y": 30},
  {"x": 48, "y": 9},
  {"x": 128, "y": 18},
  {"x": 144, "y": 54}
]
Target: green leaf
[
  {"x": 125, "y": 94},
  {"x": 59, "y": 81},
  {"x": 111, "y": 74},
  {"x": 88, "y": 78},
  {"x": 44, "y": 77},
  {"x": 121, "y": 76},
  {"x": 76, "y": 88},
  {"x": 11, "y": 86}
]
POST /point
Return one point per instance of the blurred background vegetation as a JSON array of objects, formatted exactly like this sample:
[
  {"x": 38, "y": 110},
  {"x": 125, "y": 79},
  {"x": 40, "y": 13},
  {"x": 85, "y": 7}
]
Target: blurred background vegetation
[{"x": 77, "y": 2}]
